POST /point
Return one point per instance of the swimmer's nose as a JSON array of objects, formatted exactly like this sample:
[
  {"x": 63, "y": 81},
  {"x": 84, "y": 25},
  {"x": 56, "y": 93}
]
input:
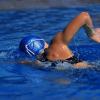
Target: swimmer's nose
[{"x": 46, "y": 45}]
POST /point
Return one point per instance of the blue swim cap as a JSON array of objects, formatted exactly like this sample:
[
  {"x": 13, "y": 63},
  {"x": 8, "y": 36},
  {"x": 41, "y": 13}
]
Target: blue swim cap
[{"x": 32, "y": 45}]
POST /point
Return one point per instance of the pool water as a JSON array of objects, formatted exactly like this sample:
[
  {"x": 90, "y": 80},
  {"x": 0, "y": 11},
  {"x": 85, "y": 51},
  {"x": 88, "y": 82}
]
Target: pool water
[{"x": 24, "y": 82}]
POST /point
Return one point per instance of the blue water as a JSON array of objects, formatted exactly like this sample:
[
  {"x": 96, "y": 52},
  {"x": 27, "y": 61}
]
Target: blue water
[{"x": 24, "y": 82}]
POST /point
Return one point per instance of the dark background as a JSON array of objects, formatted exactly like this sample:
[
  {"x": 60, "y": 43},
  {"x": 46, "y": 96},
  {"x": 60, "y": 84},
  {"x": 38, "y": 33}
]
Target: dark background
[{"x": 22, "y": 4}]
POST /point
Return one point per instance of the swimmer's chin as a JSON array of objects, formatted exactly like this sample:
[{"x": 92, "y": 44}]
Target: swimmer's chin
[{"x": 83, "y": 64}]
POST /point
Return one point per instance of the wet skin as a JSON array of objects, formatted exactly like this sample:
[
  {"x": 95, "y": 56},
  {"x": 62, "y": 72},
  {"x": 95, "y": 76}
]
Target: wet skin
[{"x": 58, "y": 49}]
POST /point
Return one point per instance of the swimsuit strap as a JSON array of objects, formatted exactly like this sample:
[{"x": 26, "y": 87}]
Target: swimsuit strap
[{"x": 73, "y": 60}]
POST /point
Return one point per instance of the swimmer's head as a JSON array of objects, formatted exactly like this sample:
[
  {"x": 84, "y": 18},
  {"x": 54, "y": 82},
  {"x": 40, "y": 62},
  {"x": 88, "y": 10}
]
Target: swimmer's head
[{"x": 33, "y": 46}]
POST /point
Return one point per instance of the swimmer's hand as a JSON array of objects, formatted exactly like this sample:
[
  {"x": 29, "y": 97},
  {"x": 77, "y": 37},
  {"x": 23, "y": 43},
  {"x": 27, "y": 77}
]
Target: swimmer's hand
[
  {"x": 83, "y": 64},
  {"x": 96, "y": 35}
]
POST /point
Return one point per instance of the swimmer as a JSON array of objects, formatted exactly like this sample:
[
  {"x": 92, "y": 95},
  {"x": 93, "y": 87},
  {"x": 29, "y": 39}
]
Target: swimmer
[{"x": 58, "y": 49}]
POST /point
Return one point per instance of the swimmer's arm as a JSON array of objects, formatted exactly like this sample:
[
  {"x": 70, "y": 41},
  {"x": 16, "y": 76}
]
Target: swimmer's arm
[
  {"x": 26, "y": 62},
  {"x": 82, "y": 64}
]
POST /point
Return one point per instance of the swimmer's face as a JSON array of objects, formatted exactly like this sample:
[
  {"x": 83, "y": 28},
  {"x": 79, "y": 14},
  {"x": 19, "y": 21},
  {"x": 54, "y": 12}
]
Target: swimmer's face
[{"x": 46, "y": 45}]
